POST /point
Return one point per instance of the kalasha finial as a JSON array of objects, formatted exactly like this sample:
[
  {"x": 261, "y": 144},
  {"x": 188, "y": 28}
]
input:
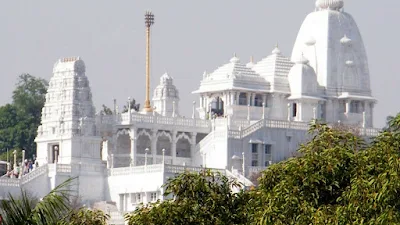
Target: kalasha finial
[{"x": 149, "y": 18}]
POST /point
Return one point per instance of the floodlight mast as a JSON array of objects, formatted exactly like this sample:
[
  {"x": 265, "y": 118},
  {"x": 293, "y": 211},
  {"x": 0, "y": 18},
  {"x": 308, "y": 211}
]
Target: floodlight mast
[{"x": 149, "y": 21}]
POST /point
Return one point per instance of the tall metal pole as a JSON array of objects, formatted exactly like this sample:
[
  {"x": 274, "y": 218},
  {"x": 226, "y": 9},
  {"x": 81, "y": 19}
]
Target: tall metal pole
[{"x": 149, "y": 21}]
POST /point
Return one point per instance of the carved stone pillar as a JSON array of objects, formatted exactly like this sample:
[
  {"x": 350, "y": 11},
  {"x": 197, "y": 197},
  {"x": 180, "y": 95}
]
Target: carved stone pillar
[
  {"x": 193, "y": 147},
  {"x": 264, "y": 100},
  {"x": 173, "y": 150},
  {"x": 154, "y": 146},
  {"x": 232, "y": 96},
  {"x": 248, "y": 99},
  {"x": 133, "y": 137},
  {"x": 347, "y": 110},
  {"x": 237, "y": 98}
]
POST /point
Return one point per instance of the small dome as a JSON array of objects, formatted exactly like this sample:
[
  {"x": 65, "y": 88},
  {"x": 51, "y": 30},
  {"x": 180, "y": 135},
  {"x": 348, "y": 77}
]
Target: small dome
[
  {"x": 276, "y": 51},
  {"x": 310, "y": 42},
  {"x": 234, "y": 59},
  {"x": 330, "y": 4},
  {"x": 165, "y": 78},
  {"x": 302, "y": 79},
  {"x": 345, "y": 40},
  {"x": 250, "y": 65},
  {"x": 349, "y": 63},
  {"x": 302, "y": 60}
]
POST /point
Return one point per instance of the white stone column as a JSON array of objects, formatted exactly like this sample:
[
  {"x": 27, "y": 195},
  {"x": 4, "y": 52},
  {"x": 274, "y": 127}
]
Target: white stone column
[
  {"x": 263, "y": 110},
  {"x": 173, "y": 109},
  {"x": 193, "y": 148},
  {"x": 154, "y": 146},
  {"x": 264, "y": 96},
  {"x": 173, "y": 147},
  {"x": 23, "y": 164},
  {"x": 232, "y": 95},
  {"x": 299, "y": 112},
  {"x": 133, "y": 138},
  {"x": 248, "y": 112},
  {"x": 248, "y": 95},
  {"x": 364, "y": 120},
  {"x": 237, "y": 98},
  {"x": 129, "y": 110},
  {"x": 347, "y": 109},
  {"x": 289, "y": 112},
  {"x": 194, "y": 110},
  {"x": 314, "y": 113}
]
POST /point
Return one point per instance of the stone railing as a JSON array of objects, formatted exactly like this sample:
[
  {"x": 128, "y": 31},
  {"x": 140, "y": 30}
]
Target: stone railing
[
  {"x": 116, "y": 218},
  {"x": 182, "y": 169},
  {"x": 280, "y": 124},
  {"x": 370, "y": 132},
  {"x": 26, "y": 178},
  {"x": 135, "y": 170},
  {"x": 239, "y": 177},
  {"x": 34, "y": 174},
  {"x": 157, "y": 168},
  {"x": 63, "y": 168},
  {"x": 162, "y": 120},
  {"x": 10, "y": 182},
  {"x": 255, "y": 169},
  {"x": 205, "y": 141}
]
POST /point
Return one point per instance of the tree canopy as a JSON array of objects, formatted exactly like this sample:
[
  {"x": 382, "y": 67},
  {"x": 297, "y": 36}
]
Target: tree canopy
[
  {"x": 204, "y": 198},
  {"x": 338, "y": 178},
  {"x": 20, "y": 119}
]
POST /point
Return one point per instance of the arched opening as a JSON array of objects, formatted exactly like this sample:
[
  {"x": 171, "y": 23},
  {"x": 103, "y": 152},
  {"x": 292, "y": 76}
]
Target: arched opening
[
  {"x": 258, "y": 100},
  {"x": 243, "y": 99},
  {"x": 163, "y": 142},
  {"x": 183, "y": 148},
  {"x": 217, "y": 107},
  {"x": 143, "y": 142},
  {"x": 123, "y": 150}
]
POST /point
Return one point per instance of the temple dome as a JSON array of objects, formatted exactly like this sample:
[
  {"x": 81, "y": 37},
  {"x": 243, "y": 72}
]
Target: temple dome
[
  {"x": 302, "y": 79},
  {"x": 329, "y": 4},
  {"x": 328, "y": 39}
]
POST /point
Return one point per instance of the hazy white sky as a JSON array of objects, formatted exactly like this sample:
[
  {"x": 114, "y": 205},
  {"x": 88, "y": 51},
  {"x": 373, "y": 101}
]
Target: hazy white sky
[{"x": 189, "y": 37}]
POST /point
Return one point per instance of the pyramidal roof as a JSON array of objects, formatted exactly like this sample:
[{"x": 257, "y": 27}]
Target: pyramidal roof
[
  {"x": 234, "y": 69},
  {"x": 233, "y": 76},
  {"x": 275, "y": 69}
]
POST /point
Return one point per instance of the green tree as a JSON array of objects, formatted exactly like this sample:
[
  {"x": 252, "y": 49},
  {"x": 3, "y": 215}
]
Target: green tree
[
  {"x": 84, "y": 216},
  {"x": 29, "y": 96},
  {"x": 338, "y": 179},
  {"x": 19, "y": 121},
  {"x": 204, "y": 198},
  {"x": 106, "y": 110}
]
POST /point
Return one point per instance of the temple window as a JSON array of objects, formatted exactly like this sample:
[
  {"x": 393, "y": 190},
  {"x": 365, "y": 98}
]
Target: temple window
[
  {"x": 355, "y": 107},
  {"x": 258, "y": 100},
  {"x": 294, "y": 110},
  {"x": 242, "y": 99},
  {"x": 254, "y": 154}
]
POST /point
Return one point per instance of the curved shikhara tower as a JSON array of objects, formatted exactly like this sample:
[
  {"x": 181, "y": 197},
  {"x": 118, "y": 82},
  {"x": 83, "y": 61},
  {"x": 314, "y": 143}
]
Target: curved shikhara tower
[{"x": 331, "y": 41}]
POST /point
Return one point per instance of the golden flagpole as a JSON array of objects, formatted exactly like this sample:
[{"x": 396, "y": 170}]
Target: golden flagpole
[{"x": 149, "y": 21}]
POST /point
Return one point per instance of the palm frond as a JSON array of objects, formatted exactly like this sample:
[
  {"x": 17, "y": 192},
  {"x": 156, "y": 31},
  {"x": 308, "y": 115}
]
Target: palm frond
[{"x": 30, "y": 211}]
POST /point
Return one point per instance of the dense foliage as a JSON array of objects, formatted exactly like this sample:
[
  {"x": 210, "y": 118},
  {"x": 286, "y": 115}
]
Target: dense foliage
[
  {"x": 20, "y": 119},
  {"x": 338, "y": 178},
  {"x": 204, "y": 198}
]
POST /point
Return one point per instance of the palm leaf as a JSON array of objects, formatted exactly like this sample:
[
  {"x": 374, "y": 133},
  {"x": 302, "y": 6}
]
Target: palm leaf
[{"x": 28, "y": 211}]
